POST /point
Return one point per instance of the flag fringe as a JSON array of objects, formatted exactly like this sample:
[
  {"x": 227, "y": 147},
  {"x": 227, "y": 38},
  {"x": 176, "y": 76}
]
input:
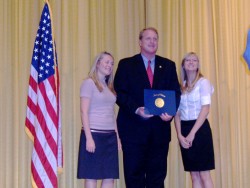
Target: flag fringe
[
  {"x": 33, "y": 182},
  {"x": 60, "y": 170},
  {"x": 29, "y": 134}
]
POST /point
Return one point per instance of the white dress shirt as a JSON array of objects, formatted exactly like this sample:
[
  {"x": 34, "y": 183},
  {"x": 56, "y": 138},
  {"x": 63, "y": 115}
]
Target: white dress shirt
[{"x": 191, "y": 102}]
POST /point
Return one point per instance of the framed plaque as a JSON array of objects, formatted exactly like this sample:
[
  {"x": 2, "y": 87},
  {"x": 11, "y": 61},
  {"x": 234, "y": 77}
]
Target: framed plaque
[{"x": 157, "y": 102}]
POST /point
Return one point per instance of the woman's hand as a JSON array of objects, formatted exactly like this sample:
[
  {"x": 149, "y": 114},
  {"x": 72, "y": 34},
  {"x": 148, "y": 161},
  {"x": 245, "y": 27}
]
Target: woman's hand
[
  {"x": 90, "y": 145},
  {"x": 184, "y": 143},
  {"x": 119, "y": 144},
  {"x": 190, "y": 138}
]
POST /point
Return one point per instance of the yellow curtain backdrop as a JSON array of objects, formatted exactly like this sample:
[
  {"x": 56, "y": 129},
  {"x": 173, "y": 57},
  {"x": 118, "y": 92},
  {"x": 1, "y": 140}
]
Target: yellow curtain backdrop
[{"x": 215, "y": 29}]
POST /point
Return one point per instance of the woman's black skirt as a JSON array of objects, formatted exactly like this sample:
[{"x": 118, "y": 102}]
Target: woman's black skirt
[
  {"x": 199, "y": 157},
  {"x": 103, "y": 163}
]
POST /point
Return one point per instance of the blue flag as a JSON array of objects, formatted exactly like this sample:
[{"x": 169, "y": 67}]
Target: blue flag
[{"x": 246, "y": 54}]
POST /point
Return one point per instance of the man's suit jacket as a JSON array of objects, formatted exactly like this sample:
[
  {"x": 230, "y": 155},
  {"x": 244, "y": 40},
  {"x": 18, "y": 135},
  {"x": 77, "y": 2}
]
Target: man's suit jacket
[{"x": 130, "y": 81}]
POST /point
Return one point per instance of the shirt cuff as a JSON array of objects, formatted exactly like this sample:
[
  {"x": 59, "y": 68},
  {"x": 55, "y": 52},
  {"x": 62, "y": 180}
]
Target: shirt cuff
[{"x": 205, "y": 100}]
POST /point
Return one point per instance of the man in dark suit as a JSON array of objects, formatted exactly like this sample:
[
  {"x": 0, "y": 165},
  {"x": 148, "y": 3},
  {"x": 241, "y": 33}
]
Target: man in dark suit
[{"x": 145, "y": 138}]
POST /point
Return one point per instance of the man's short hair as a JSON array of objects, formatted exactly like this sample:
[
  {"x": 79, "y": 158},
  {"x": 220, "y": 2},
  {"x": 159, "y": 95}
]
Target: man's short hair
[{"x": 145, "y": 29}]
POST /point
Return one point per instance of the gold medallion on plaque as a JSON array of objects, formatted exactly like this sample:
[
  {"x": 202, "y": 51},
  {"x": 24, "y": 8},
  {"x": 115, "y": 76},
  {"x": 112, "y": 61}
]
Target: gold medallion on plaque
[{"x": 159, "y": 102}]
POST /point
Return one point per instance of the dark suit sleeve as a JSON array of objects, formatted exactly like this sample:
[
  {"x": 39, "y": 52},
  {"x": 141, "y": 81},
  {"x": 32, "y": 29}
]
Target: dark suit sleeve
[
  {"x": 176, "y": 86},
  {"x": 122, "y": 86}
]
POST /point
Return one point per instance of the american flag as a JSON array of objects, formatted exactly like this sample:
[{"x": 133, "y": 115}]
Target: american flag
[{"x": 43, "y": 121}]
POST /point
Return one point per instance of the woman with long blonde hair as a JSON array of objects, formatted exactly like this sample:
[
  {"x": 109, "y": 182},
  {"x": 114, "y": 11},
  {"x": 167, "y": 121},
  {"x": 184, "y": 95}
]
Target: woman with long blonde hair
[
  {"x": 99, "y": 141},
  {"x": 192, "y": 127}
]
